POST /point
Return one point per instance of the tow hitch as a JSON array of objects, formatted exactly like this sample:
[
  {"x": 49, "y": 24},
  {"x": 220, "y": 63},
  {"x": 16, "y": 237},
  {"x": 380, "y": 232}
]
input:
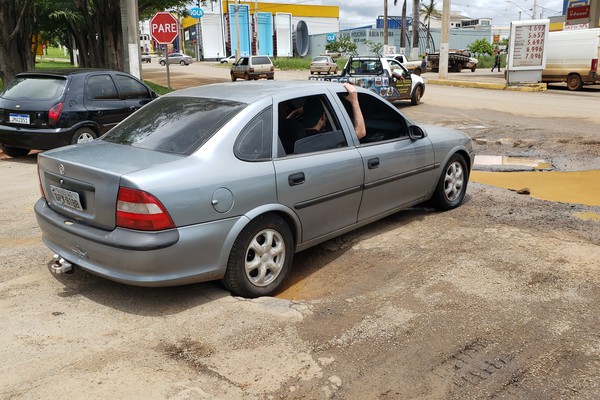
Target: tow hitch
[{"x": 60, "y": 265}]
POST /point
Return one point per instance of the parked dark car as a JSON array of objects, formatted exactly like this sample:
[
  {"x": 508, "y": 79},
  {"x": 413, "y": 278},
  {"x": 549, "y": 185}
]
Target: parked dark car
[
  {"x": 44, "y": 110},
  {"x": 216, "y": 182}
]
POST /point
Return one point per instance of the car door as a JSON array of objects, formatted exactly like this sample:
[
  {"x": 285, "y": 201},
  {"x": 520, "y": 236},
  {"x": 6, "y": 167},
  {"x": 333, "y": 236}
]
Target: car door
[
  {"x": 401, "y": 78},
  {"x": 103, "y": 102},
  {"x": 321, "y": 180},
  {"x": 240, "y": 67},
  {"x": 134, "y": 92},
  {"x": 398, "y": 169}
]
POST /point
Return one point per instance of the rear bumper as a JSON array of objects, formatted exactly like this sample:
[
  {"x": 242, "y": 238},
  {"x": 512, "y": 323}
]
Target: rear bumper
[
  {"x": 40, "y": 139},
  {"x": 180, "y": 256}
]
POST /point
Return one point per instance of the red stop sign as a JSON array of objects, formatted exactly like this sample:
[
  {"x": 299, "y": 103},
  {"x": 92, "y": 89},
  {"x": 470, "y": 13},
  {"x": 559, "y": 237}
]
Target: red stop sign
[{"x": 163, "y": 27}]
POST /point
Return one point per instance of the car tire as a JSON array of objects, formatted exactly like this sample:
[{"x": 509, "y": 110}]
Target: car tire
[
  {"x": 270, "y": 77},
  {"x": 415, "y": 99},
  {"x": 473, "y": 69},
  {"x": 574, "y": 82},
  {"x": 233, "y": 78},
  {"x": 246, "y": 76},
  {"x": 260, "y": 258},
  {"x": 452, "y": 186},
  {"x": 83, "y": 135},
  {"x": 14, "y": 151},
  {"x": 162, "y": 62},
  {"x": 182, "y": 63}
]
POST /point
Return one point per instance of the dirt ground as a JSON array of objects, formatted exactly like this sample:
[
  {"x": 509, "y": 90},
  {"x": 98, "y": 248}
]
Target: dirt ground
[{"x": 497, "y": 299}]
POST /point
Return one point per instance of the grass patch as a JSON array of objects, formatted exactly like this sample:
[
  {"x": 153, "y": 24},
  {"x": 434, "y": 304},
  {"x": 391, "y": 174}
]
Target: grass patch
[
  {"x": 45, "y": 64},
  {"x": 299, "y": 64},
  {"x": 161, "y": 90}
]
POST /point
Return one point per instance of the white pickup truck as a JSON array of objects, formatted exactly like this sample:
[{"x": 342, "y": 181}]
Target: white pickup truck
[
  {"x": 384, "y": 76},
  {"x": 412, "y": 66}
]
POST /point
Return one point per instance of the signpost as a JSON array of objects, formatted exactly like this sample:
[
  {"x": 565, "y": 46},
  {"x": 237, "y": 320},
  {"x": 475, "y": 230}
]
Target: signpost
[
  {"x": 197, "y": 12},
  {"x": 164, "y": 29},
  {"x": 527, "y": 53}
]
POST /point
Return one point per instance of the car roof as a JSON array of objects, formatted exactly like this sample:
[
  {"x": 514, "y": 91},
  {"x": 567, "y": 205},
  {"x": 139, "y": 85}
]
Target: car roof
[
  {"x": 63, "y": 72},
  {"x": 250, "y": 92}
]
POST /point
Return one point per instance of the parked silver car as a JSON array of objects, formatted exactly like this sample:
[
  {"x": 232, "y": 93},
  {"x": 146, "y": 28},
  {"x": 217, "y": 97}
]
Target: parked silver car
[
  {"x": 176, "y": 58},
  {"x": 252, "y": 67},
  {"x": 323, "y": 64},
  {"x": 216, "y": 182}
]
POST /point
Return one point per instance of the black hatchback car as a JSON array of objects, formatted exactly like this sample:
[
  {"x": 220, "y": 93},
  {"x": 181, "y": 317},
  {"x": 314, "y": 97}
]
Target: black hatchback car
[{"x": 44, "y": 110}]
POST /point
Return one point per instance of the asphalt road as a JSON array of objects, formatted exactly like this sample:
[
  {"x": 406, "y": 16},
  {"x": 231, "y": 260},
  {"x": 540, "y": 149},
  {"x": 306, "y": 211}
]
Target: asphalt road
[{"x": 497, "y": 299}]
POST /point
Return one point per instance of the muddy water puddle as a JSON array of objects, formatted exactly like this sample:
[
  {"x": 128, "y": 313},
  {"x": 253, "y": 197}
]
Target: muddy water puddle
[{"x": 579, "y": 187}]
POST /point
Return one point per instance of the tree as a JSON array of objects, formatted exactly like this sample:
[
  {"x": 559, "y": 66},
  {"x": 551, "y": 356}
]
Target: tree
[
  {"x": 343, "y": 45},
  {"x": 385, "y": 20},
  {"x": 375, "y": 47},
  {"x": 16, "y": 37},
  {"x": 429, "y": 11},
  {"x": 416, "y": 24},
  {"x": 481, "y": 46},
  {"x": 403, "y": 28},
  {"x": 92, "y": 26}
]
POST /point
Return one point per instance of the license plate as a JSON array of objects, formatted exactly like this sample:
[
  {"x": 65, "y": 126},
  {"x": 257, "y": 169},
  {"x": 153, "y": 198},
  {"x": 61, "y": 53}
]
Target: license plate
[
  {"x": 18, "y": 118},
  {"x": 66, "y": 197}
]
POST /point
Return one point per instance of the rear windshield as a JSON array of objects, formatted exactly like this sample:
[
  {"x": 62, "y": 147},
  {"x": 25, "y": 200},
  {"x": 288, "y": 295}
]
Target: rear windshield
[
  {"x": 317, "y": 59},
  {"x": 35, "y": 88},
  {"x": 177, "y": 125},
  {"x": 261, "y": 60}
]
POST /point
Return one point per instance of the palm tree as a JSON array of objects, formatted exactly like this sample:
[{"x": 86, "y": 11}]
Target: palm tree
[
  {"x": 428, "y": 11},
  {"x": 416, "y": 23},
  {"x": 385, "y": 20}
]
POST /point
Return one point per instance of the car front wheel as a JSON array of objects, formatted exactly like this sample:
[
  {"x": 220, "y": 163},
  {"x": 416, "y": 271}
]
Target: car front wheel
[
  {"x": 83, "y": 135},
  {"x": 163, "y": 63},
  {"x": 452, "y": 186},
  {"x": 182, "y": 63},
  {"x": 233, "y": 78},
  {"x": 260, "y": 258}
]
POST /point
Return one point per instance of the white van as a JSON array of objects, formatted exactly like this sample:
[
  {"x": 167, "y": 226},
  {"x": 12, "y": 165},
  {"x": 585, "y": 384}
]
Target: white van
[{"x": 572, "y": 57}]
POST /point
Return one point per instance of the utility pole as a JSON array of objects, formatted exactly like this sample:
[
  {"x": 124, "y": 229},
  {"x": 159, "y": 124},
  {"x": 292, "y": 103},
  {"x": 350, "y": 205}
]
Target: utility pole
[
  {"x": 444, "y": 48},
  {"x": 385, "y": 25},
  {"x": 534, "y": 10},
  {"x": 594, "y": 13},
  {"x": 237, "y": 30}
]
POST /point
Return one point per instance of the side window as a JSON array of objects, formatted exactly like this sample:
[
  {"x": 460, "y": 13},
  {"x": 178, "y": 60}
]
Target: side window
[
  {"x": 101, "y": 87},
  {"x": 244, "y": 61},
  {"x": 382, "y": 121},
  {"x": 307, "y": 124},
  {"x": 255, "y": 141},
  {"x": 132, "y": 89}
]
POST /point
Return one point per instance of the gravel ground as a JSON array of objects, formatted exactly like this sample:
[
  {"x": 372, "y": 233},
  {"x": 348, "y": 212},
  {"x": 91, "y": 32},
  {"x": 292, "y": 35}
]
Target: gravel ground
[{"x": 497, "y": 299}]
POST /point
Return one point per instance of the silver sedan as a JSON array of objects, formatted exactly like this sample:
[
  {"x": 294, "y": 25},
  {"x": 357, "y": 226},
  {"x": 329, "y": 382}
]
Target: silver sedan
[
  {"x": 228, "y": 181},
  {"x": 176, "y": 58}
]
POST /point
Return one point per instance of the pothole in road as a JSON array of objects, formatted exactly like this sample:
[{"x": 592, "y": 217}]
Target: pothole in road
[{"x": 578, "y": 187}]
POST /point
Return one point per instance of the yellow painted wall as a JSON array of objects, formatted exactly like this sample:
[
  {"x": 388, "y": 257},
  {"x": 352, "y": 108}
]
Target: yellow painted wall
[{"x": 297, "y": 10}]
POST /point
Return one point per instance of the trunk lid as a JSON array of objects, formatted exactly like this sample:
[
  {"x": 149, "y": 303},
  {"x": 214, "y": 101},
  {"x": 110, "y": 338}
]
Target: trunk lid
[{"x": 82, "y": 182}]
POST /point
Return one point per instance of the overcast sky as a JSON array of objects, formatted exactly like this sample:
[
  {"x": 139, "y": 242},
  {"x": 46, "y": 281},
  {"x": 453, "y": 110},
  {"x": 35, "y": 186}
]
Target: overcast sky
[{"x": 355, "y": 13}]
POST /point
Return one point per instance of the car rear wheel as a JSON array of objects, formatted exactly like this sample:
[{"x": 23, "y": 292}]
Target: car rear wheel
[
  {"x": 182, "y": 63},
  {"x": 83, "y": 135},
  {"x": 260, "y": 258},
  {"x": 574, "y": 82},
  {"x": 416, "y": 96},
  {"x": 246, "y": 76},
  {"x": 14, "y": 151},
  {"x": 452, "y": 186}
]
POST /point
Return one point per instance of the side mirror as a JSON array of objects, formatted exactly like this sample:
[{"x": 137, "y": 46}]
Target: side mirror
[{"x": 416, "y": 132}]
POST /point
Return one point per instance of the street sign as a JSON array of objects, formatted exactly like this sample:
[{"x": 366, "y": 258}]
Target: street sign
[
  {"x": 163, "y": 27},
  {"x": 196, "y": 12}
]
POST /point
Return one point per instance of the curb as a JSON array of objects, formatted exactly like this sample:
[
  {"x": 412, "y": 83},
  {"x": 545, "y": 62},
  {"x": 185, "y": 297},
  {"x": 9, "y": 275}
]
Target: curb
[{"x": 525, "y": 87}]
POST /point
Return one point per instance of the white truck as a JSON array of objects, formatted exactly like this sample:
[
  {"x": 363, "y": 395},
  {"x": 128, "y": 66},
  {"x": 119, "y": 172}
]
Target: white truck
[
  {"x": 572, "y": 57},
  {"x": 412, "y": 66}
]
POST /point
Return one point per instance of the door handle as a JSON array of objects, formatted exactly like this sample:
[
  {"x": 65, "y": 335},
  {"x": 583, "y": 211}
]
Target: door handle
[
  {"x": 296, "y": 179},
  {"x": 373, "y": 163}
]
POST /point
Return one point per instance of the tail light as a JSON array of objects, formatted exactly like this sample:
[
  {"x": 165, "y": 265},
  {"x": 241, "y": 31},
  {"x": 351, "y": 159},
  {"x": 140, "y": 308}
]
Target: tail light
[
  {"x": 40, "y": 180},
  {"x": 250, "y": 69},
  {"x": 594, "y": 64},
  {"x": 54, "y": 113},
  {"x": 140, "y": 210}
]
